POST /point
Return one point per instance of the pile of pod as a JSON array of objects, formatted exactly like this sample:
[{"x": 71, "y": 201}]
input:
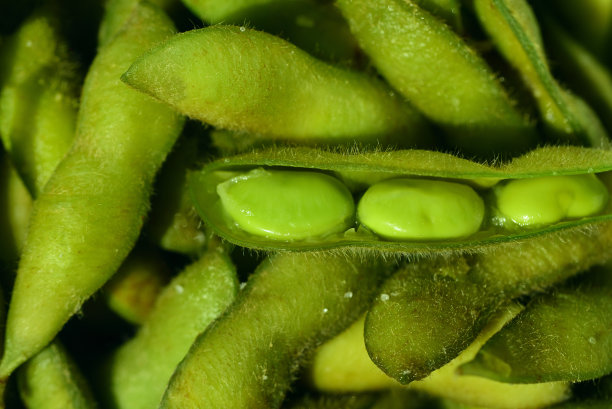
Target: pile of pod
[{"x": 361, "y": 204}]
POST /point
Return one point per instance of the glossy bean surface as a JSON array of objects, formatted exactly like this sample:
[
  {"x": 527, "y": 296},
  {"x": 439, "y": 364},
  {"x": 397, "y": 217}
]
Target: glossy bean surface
[{"x": 360, "y": 171}]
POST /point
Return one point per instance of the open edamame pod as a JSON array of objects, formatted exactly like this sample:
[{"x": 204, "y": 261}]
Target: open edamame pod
[
  {"x": 427, "y": 202},
  {"x": 51, "y": 380},
  {"x": 290, "y": 305},
  {"x": 439, "y": 74},
  {"x": 562, "y": 336},
  {"x": 92, "y": 209},
  {"x": 515, "y": 31},
  {"x": 246, "y": 80},
  {"x": 140, "y": 370}
]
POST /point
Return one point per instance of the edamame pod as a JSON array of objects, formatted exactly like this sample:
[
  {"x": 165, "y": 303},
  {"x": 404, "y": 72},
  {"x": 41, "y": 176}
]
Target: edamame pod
[
  {"x": 118, "y": 12},
  {"x": 440, "y": 75},
  {"x": 39, "y": 88},
  {"x": 430, "y": 231},
  {"x": 51, "y": 380},
  {"x": 515, "y": 31},
  {"x": 316, "y": 27},
  {"x": 15, "y": 207},
  {"x": 291, "y": 304},
  {"x": 91, "y": 211},
  {"x": 246, "y": 80},
  {"x": 564, "y": 336},
  {"x": 139, "y": 371},
  {"x": 587, "y": 77},
  {"x": 422, "y": 320},
  {"x": 483, "y": 281},
  {"x": 342, "y": 365}
]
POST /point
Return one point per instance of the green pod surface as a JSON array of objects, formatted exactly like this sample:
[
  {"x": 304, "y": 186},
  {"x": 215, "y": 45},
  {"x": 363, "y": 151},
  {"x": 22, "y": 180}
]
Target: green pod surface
[
  {"x": 15, "y": 207},
  {"x": 580, "y": 69},
  {"x": 439, "y": 74},
  {"x": 485, "y": 280},
  {"x": 92, "y": 209},
  {"x": 514, "y": 29},
  {"x": 359, "y": 171},
  {"x": 51, "y": 380},
  {"x": 562, "y": 336},
  {"x": 343, "y": 365},
  {"x": 250, "y": 81},
  {"x": 140, "y": 370},
  {"x": 133, "y": 290},
  {"x": 39, "y": 88},
  {"x": 422, "y": 320},
  {"x": 118, "y": 12},
  {"x": 315, "y": 27},
  {"x": 291, "y": 304}
]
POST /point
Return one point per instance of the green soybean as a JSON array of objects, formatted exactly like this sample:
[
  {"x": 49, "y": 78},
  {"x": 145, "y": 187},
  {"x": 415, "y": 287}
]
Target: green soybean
[
  {"x": 290, "y": 305},
  {"x": 515, "y": 31},
  {"x": 418, "y": 55},
  {"x": 139, "y": 371},
  {"x": 51, "y": 380},
  {"x": 91, "y": 211},
  {"x": 421, "y": 209},
  {"x": 563, "y": 336},
  {"x": 39, "y": 87},
  {"x": 294, "y": 213},
  {"x": 295, "y": 98},
  {"x": 546, "y": 200},
  {"x": 359, "y": 171}
]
